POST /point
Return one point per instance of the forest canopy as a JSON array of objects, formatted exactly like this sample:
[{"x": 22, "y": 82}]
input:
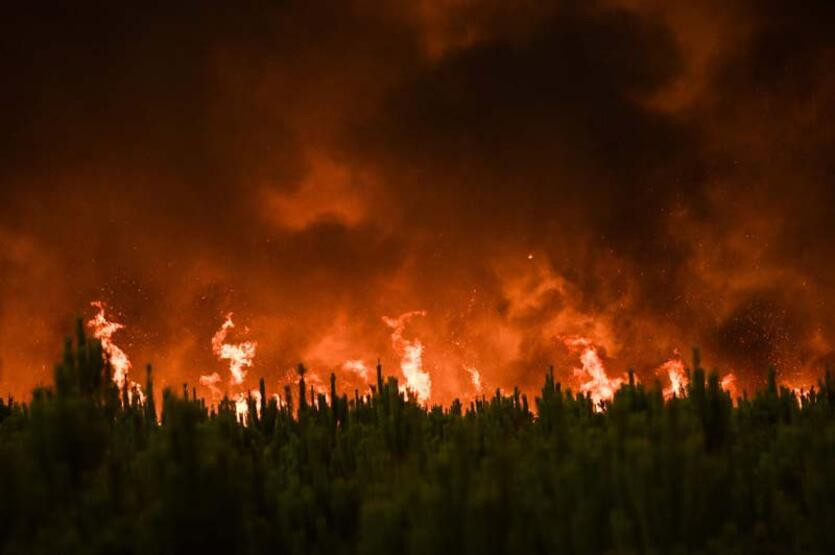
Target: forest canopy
[{"x": 87, "y": 468}]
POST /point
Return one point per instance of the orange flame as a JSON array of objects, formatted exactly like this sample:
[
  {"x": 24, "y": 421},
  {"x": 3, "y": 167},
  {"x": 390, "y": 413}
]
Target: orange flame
[
  {"x": 728, "y": 384},
  {"x": 211, "y": 381},
  {"x": 675, "y": 371},
  {"x": 242, "y": 405},
  {"x": 411, "y": 355},
  {"x": 239, "y": 355},
  {"x": 317, "y": 384},
  {"x": 598, "y": 386},
  {"x": 358, "y": 367},
  {"x": 103, "y": 330},
  {"x": 475, "y": 377}
]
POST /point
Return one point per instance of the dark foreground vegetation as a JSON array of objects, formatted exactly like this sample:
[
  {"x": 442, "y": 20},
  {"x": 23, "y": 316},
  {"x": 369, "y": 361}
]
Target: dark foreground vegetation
[{"x": 83, "y": 470}]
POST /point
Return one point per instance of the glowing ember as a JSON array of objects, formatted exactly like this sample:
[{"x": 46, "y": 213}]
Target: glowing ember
[
  {"x": 597, "y": 385},
  {"x": 239, "y": 355},
  {"x": 675, "y": 371},
  {"x": 103, "y": 330},
  {"x": 475, "y": 377},
  {"x": 411, "y": 355}
]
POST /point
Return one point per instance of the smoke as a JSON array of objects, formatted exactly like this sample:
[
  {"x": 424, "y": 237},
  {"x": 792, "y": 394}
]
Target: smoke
[{"x": 644, "y": 175}]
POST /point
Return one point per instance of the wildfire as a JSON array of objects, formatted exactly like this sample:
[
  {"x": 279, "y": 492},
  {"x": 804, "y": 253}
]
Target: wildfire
[
  {"x": 358, "y": 367},
  {"x": 211, "y": 381},
  {"x": 597, "y": 384},
  {"x": 239, "y": 355},
  {"x": 728, "y": 383},
  {"x": 475, "y": 377},
  {"x": 411, "y": 355},
  {"x": 103, "y": 330},
  {"x": 317, "y": 384},
  {"x": 242, "y": 405},
  {"x": 675, "y": 371}
]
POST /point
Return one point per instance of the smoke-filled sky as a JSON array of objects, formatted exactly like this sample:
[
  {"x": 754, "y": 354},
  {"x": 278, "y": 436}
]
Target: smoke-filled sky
[{"x": 648, "y": 175}]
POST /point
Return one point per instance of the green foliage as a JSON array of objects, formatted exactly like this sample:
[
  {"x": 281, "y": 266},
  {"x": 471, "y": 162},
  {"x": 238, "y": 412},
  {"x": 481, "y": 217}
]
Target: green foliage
[{"x": 85, "y": 468}]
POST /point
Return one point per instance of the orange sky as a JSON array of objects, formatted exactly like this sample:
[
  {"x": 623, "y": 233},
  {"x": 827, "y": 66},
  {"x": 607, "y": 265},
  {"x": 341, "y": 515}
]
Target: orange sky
[{"x": 648, "y": 175}]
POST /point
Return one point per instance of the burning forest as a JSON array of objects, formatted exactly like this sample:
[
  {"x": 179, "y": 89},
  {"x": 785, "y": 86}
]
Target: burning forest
[{"x": 353, "y": 238}]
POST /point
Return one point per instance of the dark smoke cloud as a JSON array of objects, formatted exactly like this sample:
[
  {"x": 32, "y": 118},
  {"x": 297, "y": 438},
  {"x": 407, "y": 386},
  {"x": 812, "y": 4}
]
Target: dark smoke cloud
[{"x": 313, "y": 166}]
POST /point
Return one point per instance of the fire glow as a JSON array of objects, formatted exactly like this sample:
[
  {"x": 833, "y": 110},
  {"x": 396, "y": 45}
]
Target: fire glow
[
  {"x": 590, "y": 378},
  {"x": 594, "y": 381},
  {"x": 677, "y": 374},
  {"x": 315, "y": 216},
  {"x": 239, "y": 355},
  {"x": 475, "y": 377},
  {"x": 411, "y": 355},
  {"x": 103, "y": 330}
]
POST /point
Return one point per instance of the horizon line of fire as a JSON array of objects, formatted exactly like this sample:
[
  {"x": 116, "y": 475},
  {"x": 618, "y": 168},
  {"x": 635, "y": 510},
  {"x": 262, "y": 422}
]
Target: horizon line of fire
[{"x": 593, "y": 379}]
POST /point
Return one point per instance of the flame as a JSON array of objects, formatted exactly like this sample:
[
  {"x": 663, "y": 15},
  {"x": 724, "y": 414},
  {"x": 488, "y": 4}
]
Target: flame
[
  {"x": 242, "y": 405},
  {"x": 239, "y": 355},
  {"x": 103, "y": 330},
  {"x": 728, "y": 384},
  {"x": 599, "y": 387},
  {"x": 358, "y": 367},
  {"x": 211, "y": 381},
  {"x": 675, "y": 371},
  {"x": 475, "y": 377},
  {"x": 317, "y": 384},
  {"x": 411, "y": 355},
  {"x": 135, "y": 390}
]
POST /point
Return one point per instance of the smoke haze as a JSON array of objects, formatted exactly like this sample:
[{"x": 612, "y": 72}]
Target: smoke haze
[{"x": 648, "y": 175}]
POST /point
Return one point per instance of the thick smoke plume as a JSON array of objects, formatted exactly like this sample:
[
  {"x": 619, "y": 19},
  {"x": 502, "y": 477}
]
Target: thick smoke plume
[{"x": 648, "y": 176}]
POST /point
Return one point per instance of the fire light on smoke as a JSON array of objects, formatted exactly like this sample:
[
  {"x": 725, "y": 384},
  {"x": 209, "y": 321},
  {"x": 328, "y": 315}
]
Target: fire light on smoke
[
  {"x": 240, "y": 355},
  {"x": 475, "y": 377},
  {"x": 210, "y": 381},
  {"x": 317, "y": 385},
  {"x": 677, "y": 374},
  {"x": 411, "y": 355},
  {"x": 597, "y": 384},
  {"x": 358, "y": 367},
  {"x": 103, "y": 330}
]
